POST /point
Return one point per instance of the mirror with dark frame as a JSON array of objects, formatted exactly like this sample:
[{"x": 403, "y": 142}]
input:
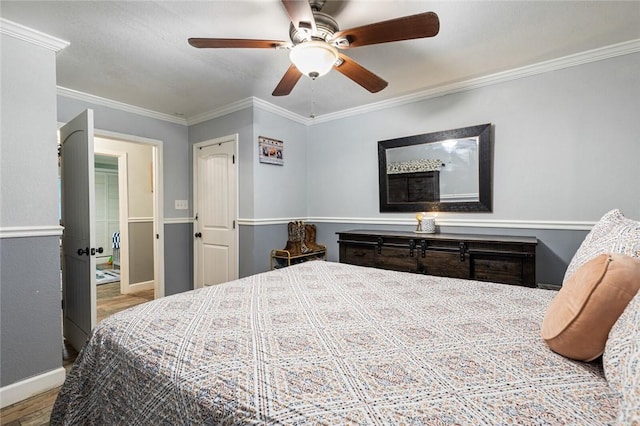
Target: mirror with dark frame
[{"x": 447, "y": 171}]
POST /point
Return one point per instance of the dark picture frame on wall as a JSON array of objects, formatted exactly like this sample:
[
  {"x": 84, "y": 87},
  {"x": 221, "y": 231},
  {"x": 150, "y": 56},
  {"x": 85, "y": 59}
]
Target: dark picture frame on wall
[
  {"x": 270, "y": 151},
  {"x": 444, "y": 171}
]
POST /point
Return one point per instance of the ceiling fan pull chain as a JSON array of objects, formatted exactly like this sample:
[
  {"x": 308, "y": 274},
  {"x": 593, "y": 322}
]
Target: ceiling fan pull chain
[{"x": 313, "y": 99}]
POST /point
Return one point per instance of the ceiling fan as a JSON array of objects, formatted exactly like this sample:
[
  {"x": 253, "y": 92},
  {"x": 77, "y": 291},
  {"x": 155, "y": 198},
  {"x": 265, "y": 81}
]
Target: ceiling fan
[{"x": 315, "y": 40}]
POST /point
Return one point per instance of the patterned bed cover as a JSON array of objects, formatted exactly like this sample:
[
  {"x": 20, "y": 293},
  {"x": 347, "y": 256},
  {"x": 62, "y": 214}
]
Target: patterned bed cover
[{"x": 330, "y": 343}]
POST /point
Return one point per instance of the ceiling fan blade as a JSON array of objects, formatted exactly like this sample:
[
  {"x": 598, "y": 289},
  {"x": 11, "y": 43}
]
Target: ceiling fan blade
[
  {"x": 236, "y": 42},
  {"x": 360, "y": 74},
  {"x": 288, "y": 81},
  {"x": 300, "y": 13},
  {"x": 406, "y": 28}
]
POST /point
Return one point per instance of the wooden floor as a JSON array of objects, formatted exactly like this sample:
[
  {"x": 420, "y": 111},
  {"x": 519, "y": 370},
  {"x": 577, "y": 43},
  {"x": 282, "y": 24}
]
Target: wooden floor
[{"x": 36, "y": 411}]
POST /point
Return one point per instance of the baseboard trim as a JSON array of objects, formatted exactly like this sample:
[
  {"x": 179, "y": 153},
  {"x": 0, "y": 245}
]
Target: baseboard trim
[
  {"x": 27, "y": 388},
  {"x": 141, "y": 286}
]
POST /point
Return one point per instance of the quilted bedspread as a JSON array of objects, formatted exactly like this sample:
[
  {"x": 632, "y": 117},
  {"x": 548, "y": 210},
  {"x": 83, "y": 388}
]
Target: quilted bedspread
[{"x": 330, "y": 343}]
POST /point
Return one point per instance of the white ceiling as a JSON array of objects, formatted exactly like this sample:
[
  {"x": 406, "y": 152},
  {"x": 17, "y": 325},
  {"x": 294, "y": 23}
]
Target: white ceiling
[{"x": 136, "y": 52}]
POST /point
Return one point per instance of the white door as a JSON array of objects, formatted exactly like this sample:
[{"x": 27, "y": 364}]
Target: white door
[
  {"x": 216, "y": 235},
  {"x": 78, "y": 238}
]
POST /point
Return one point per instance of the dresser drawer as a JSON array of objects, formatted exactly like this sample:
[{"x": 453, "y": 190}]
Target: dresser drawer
[
  {"x": 396, "y": 259},
  {"x": 518, "y": 270},
  {"x": 444, "y": 264},
  {"x": 360, "y": 255}
]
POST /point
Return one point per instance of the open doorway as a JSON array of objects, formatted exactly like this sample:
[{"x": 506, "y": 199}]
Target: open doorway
[
  {"x": 141, "y": 239},
  {"x": 107, "y": 219},
  {"x": 131, "y": 242}
]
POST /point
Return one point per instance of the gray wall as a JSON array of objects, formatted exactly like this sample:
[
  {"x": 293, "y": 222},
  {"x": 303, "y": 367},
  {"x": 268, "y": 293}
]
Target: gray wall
[
  {"x": 140, "y": 252},
  {"x": 266, "y": 191},
  {"x": 178, "y": 262},
  {"x": 565, "y": 145},
  {"x": 174, "y": 144},
  {"x": 565, "y": 150},
  {"x": 176, "y": 183},
  {"x": 30, "y": 314},
  {"x": 240, "y": 122}
]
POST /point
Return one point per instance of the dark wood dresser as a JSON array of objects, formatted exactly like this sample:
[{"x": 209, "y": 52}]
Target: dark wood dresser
[{"x": 502, "y": 259}]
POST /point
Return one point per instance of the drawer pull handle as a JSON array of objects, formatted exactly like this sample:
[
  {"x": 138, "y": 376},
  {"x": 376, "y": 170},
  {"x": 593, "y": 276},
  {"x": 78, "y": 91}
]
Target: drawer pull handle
[
  {"x": 463, "y": 249},
  {"x": 423, "y": 248}
]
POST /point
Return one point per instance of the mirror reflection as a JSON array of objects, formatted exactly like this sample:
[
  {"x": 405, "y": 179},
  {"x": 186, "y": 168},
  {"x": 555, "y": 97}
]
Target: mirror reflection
[{"x": 441, "y": 171}]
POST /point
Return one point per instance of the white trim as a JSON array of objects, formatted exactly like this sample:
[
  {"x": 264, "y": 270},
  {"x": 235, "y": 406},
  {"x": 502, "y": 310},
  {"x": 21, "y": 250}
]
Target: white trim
[
  {"x": 141, "y": 286},
  {"x": 32, "y": 36},
  {"x": 266, "y": 106},
  {"x": 588, "y": 56},
  {"x": 248, "y": 103},
  {"x": 31, "y": 231},
  {"x": 32, "y": 386},
  {"x": 178, "y": 220},
  {"x": 140, "y": 219},
  {"x": 220, "y": 112},
  {"x": 270, "y": 221},
  {"x": 97, "y": 100},
  {"x": 470, "y": 223},
  {"x": 123, "y": 137},
  {"x": 620, "y": 49}
]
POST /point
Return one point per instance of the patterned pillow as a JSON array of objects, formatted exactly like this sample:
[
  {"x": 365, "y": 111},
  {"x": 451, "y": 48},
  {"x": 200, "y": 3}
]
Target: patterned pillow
[
  {"x": 621, "y": 362},
  {"x": 612, "y": 234}
]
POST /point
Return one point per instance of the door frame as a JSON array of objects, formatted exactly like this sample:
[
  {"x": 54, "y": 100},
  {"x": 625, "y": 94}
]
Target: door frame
[
  {"x": 194, "y": 158},
  {"x": 158, "y": 203}
]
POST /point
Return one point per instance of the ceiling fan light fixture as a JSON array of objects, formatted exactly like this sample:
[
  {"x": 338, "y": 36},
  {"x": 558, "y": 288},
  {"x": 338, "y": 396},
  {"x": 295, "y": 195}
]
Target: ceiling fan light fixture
[{"x": 314, "y": 58}]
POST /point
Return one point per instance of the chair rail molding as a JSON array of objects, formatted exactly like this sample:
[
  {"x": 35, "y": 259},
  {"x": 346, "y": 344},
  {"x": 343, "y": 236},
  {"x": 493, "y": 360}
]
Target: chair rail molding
[
  {"x": 31, "y": 231},
  {"x": 466, "y": 223}
]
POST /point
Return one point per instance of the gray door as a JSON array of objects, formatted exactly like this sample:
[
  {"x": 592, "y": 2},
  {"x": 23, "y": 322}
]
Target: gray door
[{"x": 78, "y": 238}]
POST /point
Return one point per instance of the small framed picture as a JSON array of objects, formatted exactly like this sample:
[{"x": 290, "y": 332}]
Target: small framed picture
[{"x": 270, "y": 151}]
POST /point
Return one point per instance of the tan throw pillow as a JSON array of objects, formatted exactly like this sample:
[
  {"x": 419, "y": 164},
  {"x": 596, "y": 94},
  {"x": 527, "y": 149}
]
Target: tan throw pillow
[{"x": 581, "y": 315}]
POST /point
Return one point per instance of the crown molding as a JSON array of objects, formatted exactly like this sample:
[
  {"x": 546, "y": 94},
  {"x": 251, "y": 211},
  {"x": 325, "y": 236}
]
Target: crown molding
[
  {"x": 97, "y": 100},
  {"x": 220, "y": 112},
  {"x": 266, "y": 106},
  {"x": 32, "y": 36},
  {"x": 248, "y": 103},
  {"x": 620, "y": 49}
]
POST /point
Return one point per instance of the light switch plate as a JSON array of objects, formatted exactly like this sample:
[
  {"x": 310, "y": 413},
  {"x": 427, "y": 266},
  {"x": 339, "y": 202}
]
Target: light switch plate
[{"x": 182, "y": 204}]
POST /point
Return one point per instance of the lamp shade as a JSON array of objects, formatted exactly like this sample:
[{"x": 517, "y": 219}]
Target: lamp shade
[{"x": 314, "y": 58}]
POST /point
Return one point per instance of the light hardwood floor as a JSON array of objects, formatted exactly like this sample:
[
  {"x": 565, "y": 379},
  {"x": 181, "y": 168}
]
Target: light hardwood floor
[{"x": 36, "y": 411}]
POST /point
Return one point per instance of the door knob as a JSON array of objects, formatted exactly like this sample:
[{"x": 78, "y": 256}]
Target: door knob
[
  {"x": 198, "y": 235},
  {"x": 100, "y": 250},
  {"x": 85, "y": 251}
]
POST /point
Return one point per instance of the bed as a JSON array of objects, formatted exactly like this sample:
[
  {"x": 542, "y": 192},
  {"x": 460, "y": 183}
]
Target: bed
[{"x": 330, "y": 343}]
